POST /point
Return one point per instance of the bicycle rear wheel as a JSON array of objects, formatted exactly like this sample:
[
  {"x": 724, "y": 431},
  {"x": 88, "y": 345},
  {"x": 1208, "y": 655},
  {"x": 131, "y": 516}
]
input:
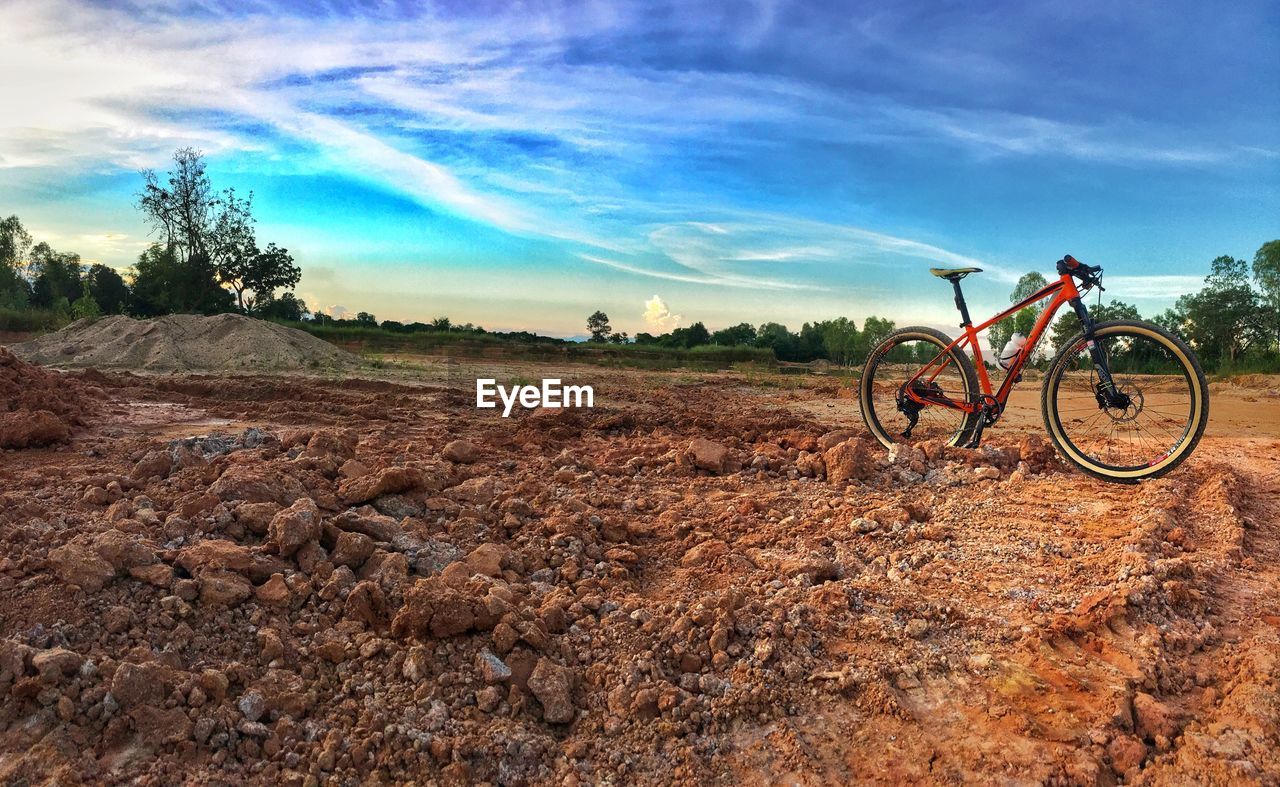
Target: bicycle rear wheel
[
  {"x": 1167, "y": 403},
  {"x": 895, "y": 363}
]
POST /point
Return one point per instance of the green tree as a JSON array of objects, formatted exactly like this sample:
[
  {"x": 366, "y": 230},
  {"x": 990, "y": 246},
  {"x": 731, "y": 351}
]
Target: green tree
[
  {"x": 252, "y": 273},
  {"x": 85, "y": 307},
  {"x": 874, "y": 331},
  {"x": 233, "y": 244},
  {"x": 366, "y": 320},
  {"x": 1024, "y": 321},
  {"x": 164, "y": 284},
  {"x": 840, "y": 340},
  {"x": 441, "y": 324},
  {"x": 598, "y": 327},
  {"x": 742, "y": 333},
  {"x": 1067, "y": 324},
  {"x": 15, "y": 243},
  {"x": 107, "y": 288},
  {"x": 775, "y": 336},
  {"x": 1266, "y": 271},
  {"x": 286, "y": 307},
  {"x": 1224, "y": 319},
  {"x": 56, "y": 276}
]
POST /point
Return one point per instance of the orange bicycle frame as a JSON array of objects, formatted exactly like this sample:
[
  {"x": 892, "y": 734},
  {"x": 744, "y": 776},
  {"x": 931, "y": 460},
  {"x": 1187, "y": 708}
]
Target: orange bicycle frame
[{"x": 1063, "y": 291}]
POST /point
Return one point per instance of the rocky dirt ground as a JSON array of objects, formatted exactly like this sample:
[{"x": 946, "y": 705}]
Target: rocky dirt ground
[{"x": 705, "y": 579}]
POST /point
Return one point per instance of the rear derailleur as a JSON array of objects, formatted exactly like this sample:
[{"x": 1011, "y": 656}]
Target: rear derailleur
[{"x": 910, "y": 407}]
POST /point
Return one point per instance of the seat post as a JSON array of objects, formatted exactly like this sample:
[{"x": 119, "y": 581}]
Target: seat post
[{"x": 960, "y": 304}]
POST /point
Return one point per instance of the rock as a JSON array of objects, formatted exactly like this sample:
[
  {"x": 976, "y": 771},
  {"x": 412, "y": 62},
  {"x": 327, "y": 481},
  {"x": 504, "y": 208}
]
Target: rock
[
  {"x": 27, "y": 429},
  {"x": 295, "y": 526},
  {"x": 816, "y": 567},
  {"x": 369, "y": 522},
  {"x": 1037, "y": 453},
  {"x": 159, "y": 725},
  {"x": 156, "y": 464},
  {"x": 454, "y": 614},
  {"x": 258, "y": 484},
  {"x": 492, "y": 668},
  {"x": 56, "y": 663},
  {"x": 284, "y": 692},
  {"x": 333, "y": 443},
  {"x": 917, "y": 628},
  {"x": 310, "y": 555},
  {"x": 256, "y": 517},
  {"x": 117, "y": 619},
  {"x": 139, "y": 684},
  {"x": 463, "y": 452},
  {"x": 351, "y": 549},
  {"x": 417, "y": 664},
  {"x": 252, "y": 705},
  {"x": 986, "y": 473},
  {"x": 367, "y": 604},
  {"x": 704, "y": 553},
  {"x": 398, "y": 507},
  {"x": 478, "y": 491},
  {"x": 489, "y": 559},
  {"x": 488, "y": 699},
  {"x": 274, "y": 592},
  {"x": 81, "y": 566},
  {"x": 708, "y": 455},
  {"x": 216, "y": 553},
  {"x": 1127, "y": 753},
  {"x": 14, "y": 659},
  {"x": 224, "y": 588},
  {"x": 157, "y": 574},
  {"x": 849, "y": 461},
  {"x": 96, "y": 496},
  {"x": 391, "y": 480},
  {"x": 386, "y": 568},
  {"x": 272, "y": 647},
  {"x": 353, "y": 468},
  {"x": 552, "y": 685},
  {"x": 1153, "y": 718},
  {"x": 834, "y": 438}
]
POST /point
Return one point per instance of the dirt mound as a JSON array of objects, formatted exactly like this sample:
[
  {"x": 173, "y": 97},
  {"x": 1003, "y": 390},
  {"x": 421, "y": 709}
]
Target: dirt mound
[
  {"x": 184, "y": 343},
  {"x": 36, "y": 407}
]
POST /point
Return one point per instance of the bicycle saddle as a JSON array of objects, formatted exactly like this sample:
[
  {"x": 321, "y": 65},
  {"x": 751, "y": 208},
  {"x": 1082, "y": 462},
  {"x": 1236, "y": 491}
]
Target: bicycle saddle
[{"x": 953, "y": 274}]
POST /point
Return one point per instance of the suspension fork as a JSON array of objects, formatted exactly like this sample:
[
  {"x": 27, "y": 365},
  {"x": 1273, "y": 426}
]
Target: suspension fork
[{"x": 1108, "y": 394}]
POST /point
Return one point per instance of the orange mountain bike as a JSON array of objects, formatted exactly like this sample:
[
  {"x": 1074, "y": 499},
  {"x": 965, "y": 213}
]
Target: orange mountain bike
[{"x": 1122, "y": 400}]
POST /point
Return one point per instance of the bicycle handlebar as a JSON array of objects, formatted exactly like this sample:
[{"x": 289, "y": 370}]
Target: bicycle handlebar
[
  {"x": 1088, "y": 274},
  {"x": 1069, "y": 264}
]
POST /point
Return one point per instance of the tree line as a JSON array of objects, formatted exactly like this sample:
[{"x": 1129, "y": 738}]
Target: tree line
[
  {"x": 1233, "y": 323},
  {"x": 207, "y": 259}
]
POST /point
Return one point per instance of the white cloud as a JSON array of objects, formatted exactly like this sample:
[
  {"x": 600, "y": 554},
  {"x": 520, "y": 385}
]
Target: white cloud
[
  {"x": 658, "y": 317},
  {"x": 1154, "y": 286}
]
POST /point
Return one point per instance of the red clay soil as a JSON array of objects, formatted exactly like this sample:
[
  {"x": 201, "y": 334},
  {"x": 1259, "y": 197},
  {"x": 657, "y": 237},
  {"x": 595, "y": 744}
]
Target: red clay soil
[
  {"x": 38, "y": 407},
  {"x": 688, "y": 584}
]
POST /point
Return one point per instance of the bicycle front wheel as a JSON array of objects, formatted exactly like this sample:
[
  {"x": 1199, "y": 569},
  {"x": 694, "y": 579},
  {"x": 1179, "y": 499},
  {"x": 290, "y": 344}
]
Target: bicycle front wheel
[{"x": 1167, "y": 403}]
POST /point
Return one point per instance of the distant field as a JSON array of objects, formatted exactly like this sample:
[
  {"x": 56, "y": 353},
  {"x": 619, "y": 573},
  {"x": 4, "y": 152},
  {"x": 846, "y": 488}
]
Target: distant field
[{"x": 377, "y": 341}]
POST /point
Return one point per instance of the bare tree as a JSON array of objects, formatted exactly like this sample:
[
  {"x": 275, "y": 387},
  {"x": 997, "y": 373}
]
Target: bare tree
[{"x": 181, "y": 211}]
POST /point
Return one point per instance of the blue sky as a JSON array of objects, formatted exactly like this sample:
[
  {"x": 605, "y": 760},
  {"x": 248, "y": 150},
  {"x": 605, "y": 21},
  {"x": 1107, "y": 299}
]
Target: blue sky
[{"x": 519, "y": 165}]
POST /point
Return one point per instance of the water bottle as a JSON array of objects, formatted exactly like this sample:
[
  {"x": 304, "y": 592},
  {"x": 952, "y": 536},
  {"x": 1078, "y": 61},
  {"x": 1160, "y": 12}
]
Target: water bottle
[{"x": 1010, "y": 352}]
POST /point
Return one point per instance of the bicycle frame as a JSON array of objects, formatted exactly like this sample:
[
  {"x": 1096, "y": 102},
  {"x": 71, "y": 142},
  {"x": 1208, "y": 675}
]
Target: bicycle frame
[{"x": 1063, "y": 291}]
